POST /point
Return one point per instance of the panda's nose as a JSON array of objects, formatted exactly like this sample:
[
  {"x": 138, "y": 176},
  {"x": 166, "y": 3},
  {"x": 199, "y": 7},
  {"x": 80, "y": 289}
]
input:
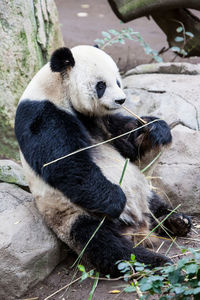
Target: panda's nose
[{"x": 120, "y": 101}]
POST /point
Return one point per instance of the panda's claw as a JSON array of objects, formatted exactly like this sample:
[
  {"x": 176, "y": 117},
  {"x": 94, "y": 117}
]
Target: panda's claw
[
  {"x": 159, "y": 131},
  {"x": 178, "y": 224}
]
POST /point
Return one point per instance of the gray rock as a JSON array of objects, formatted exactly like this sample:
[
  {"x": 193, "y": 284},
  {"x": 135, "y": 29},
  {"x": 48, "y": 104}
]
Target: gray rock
[
  {"x": 174, "y": 98},
  {"x": 29, "y": 32},
  {"x": 166, "y": 68},
  {"x": 12, "y": 172},
  {"x": 177, "y": 173},
  {"x": 28, "y": 249}
]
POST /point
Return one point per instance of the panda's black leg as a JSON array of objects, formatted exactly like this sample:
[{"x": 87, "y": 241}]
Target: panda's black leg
[
  {"x": 108, "y": 246},
  {"x": 178, "y": 224}
]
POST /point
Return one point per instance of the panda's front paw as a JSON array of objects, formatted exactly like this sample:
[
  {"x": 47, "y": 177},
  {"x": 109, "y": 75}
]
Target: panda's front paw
[
  {"x": 158, "y": 132},
  {"x": 178, "y": 224},
  {"x": 115, "y": 202}
]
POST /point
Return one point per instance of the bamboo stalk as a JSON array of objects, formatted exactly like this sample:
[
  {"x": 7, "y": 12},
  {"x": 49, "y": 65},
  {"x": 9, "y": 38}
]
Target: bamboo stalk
[
  {"x": 133, "y": 114},
  {"x": 99, "y": 144}
]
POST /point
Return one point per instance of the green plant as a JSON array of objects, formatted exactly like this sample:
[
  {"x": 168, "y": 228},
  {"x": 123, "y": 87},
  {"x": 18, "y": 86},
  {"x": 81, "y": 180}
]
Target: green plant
[
  {"x": 182, "y": 38},
  {"x": 113, "y": 36},
  {"x": 180, "y": 281}
]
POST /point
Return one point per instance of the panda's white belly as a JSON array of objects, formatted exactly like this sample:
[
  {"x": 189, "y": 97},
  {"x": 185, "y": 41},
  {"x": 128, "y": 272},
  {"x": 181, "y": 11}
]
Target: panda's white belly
[
  {"x": 52, "y": 204},
  {"x": 134, "y": 184}
]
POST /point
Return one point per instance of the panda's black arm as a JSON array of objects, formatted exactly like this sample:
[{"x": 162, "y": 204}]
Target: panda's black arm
[
  {"x": 136, "y": 144},
  {"x": 44, "y": 133}
]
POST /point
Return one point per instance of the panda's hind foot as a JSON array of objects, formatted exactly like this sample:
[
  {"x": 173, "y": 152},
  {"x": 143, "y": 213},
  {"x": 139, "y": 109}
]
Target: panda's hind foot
[
  {"x": 108, "y": 246},
  {"x": 177, "y": 224},
  {"x": 150, "y": 258}
]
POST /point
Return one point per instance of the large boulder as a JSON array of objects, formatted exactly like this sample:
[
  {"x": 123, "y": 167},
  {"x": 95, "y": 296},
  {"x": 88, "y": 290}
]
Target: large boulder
[
  {"x": 174, "y": 98},
  {"x": 178, "y": 170},
  {"x": 29, "y": 32},
  {"x": 28, "y": 249},
  {"x": 166, "y": 68}
]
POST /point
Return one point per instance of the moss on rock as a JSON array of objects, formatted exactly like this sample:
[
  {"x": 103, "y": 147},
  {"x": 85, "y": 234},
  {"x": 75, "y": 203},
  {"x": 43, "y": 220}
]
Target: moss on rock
[
  {"x": 23, "y": 53},
  {"x": 8, "y": 144},
  {"x": 12, "y": 172}
]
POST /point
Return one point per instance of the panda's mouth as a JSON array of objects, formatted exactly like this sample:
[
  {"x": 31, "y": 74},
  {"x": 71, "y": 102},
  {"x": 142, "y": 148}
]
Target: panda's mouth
[{"x": 110, "y": 108}]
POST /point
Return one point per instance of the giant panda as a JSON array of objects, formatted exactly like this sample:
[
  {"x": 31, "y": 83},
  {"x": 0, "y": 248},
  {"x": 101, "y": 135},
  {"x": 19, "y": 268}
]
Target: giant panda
[{"x": 74, "y": 102}]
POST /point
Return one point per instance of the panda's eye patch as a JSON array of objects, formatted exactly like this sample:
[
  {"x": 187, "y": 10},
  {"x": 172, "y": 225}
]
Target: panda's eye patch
[
  {"x": 118, "y": 83},
  {"x": 100, "y": 88}
]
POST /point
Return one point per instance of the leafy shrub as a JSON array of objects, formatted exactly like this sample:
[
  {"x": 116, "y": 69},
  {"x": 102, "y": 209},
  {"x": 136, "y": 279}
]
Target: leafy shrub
[
  {"x": 177, "y": 281},
  {"x": 113, "y": 36},
  {"x": 182, "y": 38},
  {"x": 180, "y": 281}
]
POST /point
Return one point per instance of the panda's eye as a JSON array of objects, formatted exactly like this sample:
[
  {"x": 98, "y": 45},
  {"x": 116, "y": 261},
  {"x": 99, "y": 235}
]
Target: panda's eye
[
  {"x": 100, "y": 88},
  {"x": 118, "y": 83}
]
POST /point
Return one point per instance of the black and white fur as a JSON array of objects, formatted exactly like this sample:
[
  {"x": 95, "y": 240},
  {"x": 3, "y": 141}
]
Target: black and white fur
[{"x": 71, "y": 103}]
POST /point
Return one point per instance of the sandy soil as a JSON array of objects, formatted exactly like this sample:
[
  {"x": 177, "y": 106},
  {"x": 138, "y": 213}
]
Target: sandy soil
[{"x": 84, "y": 30}]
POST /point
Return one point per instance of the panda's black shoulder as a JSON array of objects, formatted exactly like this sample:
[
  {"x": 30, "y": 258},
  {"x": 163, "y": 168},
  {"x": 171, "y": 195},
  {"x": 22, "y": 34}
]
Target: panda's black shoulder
[
  {"x": 43, "y": 118},
  {"x": 46, "y": 132},
  {"x": 94, "y": 125}
]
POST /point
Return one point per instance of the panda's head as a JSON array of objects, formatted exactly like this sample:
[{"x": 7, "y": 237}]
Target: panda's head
[{"x": 91, "y": 78}]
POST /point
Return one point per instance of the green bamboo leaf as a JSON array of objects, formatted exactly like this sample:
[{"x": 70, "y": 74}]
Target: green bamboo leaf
[
  {"x": 183, "y": 52},
  {"x": 179, "y": 29},
  {"x": 122, "y": 266},
  {"x": 146, "y": 287},
  {"x": 123, "y": 171},
  {"x": 99, "y": 41},
  {"x": 158, "y": 58},
  {"x": 113, "y": 31},
  {"x": 121, "y": 41},
  {"x": 130, "y": 289},
  {"x": 106, "y": 34},
  {"x": 151, "y": 163},
  {"x": 84, "y": 276},
  {"x": 175, "y": 49},
  {"x": 179, "y": 39},
  {"x": 133, "y": 257},
  {"x": 191, "y": 268},
  {"x": 81, "y": 268},
  {"x": 190, "y": 34},
  {"x": 94, "y": 286}
]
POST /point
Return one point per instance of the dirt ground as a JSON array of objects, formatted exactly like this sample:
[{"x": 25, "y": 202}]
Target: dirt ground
[
  {"x": 97, "y": 16},
  {"x": 84, "y": 30},
  {"x": 64, "y": 275}
]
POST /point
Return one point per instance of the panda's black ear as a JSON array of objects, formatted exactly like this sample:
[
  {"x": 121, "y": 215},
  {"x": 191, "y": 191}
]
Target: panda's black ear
[{"x": 61, "y": 60}]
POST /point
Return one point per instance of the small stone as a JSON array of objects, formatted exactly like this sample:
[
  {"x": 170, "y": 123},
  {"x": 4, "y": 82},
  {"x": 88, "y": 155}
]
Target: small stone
[
  {"x": 82, "y": 14},
  {"x": 85, "y": 5}
]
